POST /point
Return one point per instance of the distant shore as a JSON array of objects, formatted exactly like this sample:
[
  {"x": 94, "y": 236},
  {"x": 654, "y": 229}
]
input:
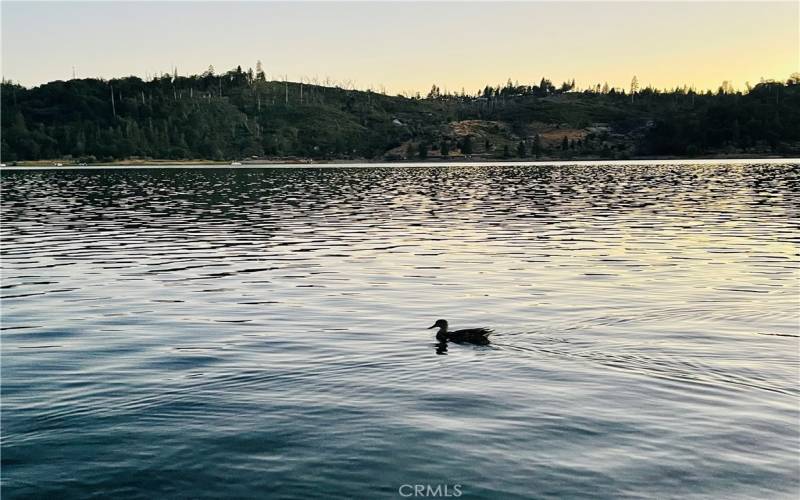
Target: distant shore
[{"x": 431, "y": 161}]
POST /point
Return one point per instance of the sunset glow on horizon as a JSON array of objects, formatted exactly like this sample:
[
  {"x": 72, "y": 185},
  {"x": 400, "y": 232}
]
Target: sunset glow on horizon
[{"x": 406, "y": 47}]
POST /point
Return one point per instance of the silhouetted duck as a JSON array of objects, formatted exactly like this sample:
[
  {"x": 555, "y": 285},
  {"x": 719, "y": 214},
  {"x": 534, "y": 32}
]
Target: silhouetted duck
[{"x": 472, "y": 335}]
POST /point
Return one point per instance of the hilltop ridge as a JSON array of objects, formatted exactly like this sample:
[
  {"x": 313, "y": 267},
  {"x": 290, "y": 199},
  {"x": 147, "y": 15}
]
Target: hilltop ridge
[{"x": 239, "y": 115}]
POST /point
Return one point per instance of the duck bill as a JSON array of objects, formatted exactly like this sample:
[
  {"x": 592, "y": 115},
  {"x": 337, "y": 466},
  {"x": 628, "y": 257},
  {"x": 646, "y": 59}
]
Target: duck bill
[{"x": 434, "y": 326}]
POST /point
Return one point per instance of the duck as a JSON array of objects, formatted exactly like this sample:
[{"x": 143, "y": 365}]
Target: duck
[{"x": 471, "y": 335}]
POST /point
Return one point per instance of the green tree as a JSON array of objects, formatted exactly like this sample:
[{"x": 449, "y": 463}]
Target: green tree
[
  {"x": 423, "y": 151},
  {"x": 260, "y": 76},
  {"x": 466, "y": 145},
  {"x": 444, "y": 148},
  {"x": 521, "y": 150}
]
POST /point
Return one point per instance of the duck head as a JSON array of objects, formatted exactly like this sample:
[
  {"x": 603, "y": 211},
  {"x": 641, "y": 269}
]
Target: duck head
[{"x": 441, "y": 324}]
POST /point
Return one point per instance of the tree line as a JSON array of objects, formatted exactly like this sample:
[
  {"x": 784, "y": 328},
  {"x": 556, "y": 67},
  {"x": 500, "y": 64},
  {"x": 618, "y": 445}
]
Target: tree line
[{"x": 240, "y": 114}]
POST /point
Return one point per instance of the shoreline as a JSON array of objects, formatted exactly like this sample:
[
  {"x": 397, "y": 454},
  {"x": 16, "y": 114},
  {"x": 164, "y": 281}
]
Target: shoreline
[{"x": 307, "y": 163}]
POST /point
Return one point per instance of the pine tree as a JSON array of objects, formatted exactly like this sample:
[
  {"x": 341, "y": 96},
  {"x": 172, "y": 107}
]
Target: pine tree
[
  {"x": 260, "y": 71},
  {"x": 444, "y": 148},
  {"x": 466, "y": 145},
  {"x": 537, "y": 145}
]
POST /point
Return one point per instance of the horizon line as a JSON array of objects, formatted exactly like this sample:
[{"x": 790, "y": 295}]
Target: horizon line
[{"x": 350, "y": 84}]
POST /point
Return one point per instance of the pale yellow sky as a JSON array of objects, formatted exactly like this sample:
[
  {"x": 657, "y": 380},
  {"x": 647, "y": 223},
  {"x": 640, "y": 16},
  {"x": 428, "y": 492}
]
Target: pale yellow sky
[{"x": 407, "y": 46}]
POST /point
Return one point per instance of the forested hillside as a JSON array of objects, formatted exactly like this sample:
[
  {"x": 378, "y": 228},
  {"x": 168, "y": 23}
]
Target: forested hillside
[{"x": 241, "y": 115}]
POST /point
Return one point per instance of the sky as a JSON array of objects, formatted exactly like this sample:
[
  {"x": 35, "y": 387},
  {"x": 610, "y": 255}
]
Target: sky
[{"x": 408, "y": 46}]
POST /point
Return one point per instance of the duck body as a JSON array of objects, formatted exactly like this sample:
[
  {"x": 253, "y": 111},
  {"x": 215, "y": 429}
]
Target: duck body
[{"x": 471, "y": 335}]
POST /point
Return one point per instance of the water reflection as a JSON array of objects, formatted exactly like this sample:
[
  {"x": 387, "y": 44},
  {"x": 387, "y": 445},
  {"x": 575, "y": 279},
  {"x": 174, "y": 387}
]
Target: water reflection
[{"x": 161, "y": 324}]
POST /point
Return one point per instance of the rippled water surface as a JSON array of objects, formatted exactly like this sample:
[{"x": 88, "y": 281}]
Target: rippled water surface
[{"x": 262, "y": 332}]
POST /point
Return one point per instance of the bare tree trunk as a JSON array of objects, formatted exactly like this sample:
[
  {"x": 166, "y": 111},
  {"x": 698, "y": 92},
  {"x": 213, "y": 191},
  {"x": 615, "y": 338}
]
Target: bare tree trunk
[{"x": 113, "y": 106}]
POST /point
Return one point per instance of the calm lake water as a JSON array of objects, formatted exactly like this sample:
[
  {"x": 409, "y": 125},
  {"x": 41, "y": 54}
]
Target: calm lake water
[{"x": 255, "y": 333}]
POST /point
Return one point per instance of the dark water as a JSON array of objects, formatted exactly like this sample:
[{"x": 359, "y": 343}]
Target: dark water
[{"x": 262, "y": 332}]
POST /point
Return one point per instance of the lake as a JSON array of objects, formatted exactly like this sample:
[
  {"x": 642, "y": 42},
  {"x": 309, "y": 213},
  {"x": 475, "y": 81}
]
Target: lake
[{"x": 262, "y": 332}]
